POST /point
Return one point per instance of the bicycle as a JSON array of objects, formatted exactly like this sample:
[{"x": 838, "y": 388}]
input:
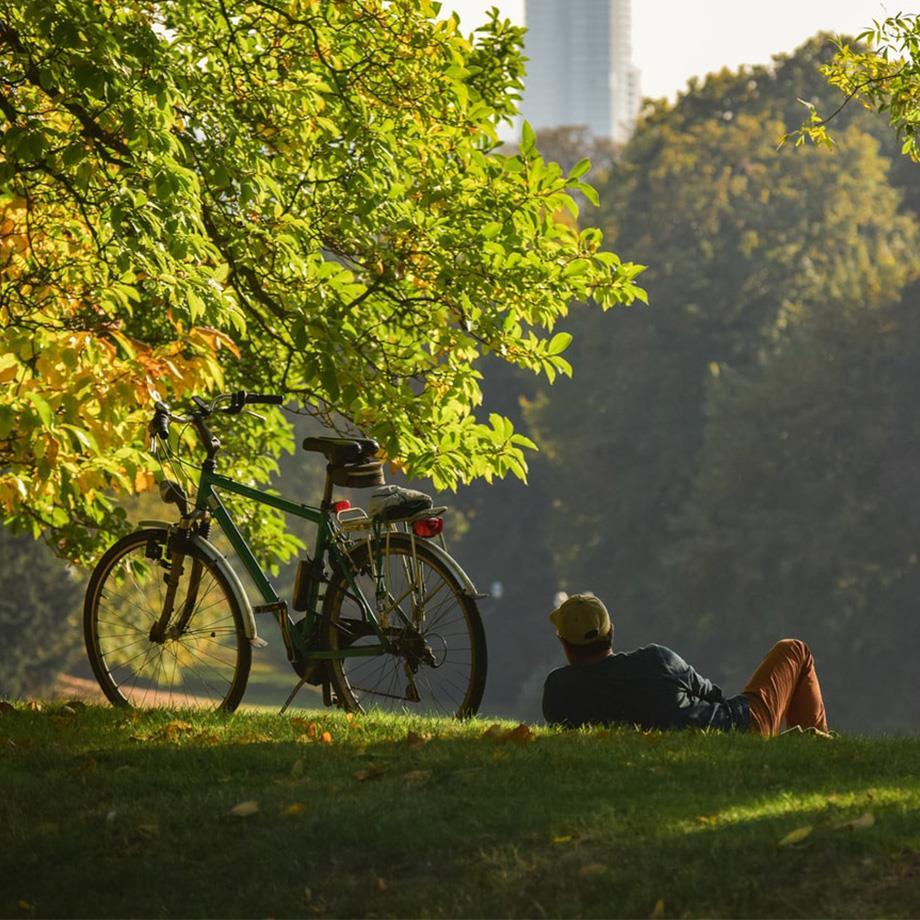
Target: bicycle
[{"x": 390, "y": 618}]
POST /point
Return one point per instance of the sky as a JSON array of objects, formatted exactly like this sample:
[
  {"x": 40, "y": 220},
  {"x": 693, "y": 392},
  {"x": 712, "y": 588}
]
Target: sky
[{"x": 674, "y": 40}]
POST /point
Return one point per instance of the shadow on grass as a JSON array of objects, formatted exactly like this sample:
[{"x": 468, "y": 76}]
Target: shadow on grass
[{"x": 571, "y": 824}]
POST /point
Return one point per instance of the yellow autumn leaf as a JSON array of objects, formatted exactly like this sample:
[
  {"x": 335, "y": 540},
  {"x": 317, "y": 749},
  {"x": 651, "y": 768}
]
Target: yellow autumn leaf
[
  {"x": 563, "y": 838},
  {"x": 592, "y": 870},
  {"x": 327, "y": 738},
  {"x": 293, "y": 810},
  {"x": 657, "y": 910},
  {"x": 796, "y": 836},
  {"x": 143, "y": 480},
  {"x": 866, "y": 819},
  {"x": 245, "y": 809}
]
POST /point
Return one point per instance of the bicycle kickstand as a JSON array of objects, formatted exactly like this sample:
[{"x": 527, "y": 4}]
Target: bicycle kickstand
[{"x": 293, "y": 693}]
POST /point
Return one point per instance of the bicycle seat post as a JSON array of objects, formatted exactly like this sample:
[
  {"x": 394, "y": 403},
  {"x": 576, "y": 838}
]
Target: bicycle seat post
[{"x": 327, "y": 491}]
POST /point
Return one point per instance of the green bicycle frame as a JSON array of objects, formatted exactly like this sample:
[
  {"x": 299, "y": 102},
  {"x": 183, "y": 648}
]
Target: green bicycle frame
[{"x": 208, "y": 501}]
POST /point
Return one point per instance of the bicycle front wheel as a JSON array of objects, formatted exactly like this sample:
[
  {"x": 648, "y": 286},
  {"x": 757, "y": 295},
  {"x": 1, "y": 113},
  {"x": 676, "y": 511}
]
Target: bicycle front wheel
[
  {"x": 437, "y": 659},
  {"x": 203, "y": 659}
]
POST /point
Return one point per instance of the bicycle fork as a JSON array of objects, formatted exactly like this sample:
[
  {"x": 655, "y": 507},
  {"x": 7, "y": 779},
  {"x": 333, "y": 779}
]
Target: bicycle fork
[{"x": 161, "y": 630}]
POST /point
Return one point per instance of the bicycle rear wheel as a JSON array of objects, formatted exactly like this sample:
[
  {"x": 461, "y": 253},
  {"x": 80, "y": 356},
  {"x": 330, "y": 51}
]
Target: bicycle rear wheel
[
  {"x": 204, "y": 664},
  {"x": 438, "y": 663}
]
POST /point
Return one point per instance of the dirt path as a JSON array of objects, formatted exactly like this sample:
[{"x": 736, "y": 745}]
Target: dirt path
[{"x": 78, "y": 688}]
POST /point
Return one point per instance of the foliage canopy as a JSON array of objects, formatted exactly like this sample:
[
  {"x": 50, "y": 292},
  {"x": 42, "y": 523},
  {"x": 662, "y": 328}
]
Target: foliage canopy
[
  {"x": 295, "y": 196},
  {"x": 753, "y": 437},
  {"x": 883, "y": 75}
]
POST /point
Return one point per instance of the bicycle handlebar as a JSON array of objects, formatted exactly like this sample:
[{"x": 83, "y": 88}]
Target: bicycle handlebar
[{"x": 162, "y": 415}]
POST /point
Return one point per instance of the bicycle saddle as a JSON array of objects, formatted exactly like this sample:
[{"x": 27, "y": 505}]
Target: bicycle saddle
[{"x": 340, "y": 451}]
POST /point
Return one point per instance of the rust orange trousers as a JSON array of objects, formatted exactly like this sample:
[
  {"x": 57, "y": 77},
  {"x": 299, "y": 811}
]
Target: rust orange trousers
[{"x": 785, "y": 686}]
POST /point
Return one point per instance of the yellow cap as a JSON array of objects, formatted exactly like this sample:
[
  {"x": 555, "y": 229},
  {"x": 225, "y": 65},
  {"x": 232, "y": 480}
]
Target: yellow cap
[{"x": 581, "y": 619}]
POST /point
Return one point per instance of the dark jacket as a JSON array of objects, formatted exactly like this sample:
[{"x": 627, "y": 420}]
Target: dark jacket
[{"x": 652, "y": 687}]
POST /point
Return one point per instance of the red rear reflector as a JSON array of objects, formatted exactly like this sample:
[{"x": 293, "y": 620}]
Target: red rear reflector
[
  {"x": 343, "y": 505},
  {"x": 429, "y": 527}
]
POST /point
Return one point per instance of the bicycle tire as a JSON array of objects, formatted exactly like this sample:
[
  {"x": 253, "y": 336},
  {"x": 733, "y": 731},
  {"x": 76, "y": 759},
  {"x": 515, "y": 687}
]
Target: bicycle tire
[
  {"x": 207, "y": 666},
  {"x": 451, "y": 633}
]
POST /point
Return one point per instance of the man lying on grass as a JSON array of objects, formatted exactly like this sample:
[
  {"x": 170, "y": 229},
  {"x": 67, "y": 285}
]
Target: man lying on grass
[{"x": 655, "y": 688}]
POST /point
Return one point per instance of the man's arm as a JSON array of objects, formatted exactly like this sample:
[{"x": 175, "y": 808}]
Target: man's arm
[
  {"x": 703, "y": 688},
  {"x": 697, "y": 685}
]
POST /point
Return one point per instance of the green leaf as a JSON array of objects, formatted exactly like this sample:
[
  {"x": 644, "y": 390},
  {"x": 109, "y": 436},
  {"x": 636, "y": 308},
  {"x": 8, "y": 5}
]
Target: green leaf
[
  {"x": 580, "y": 168},
  {"x": 41, "y": 407},
  {"x": 559, "y": 342},
  {"x": 528, "y": 138},
  {"x": 576, "y": 267}
]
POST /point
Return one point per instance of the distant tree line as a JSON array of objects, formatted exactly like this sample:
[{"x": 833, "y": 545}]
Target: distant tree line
[{"x": 740, "y": 460}]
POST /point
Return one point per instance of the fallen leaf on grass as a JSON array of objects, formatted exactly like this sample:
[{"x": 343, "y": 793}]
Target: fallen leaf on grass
[
  {"x": 382, "y": 884},
  {"x": 708, "y": 820},
  {"x": 300, "y": 723},
  {"x": 414, "y": 739},
  {"x": 563, "y": 838},
  {"x": 373, "y": 771},
  {"x": 658, "y": 910},
  {"x": 293, "y": 810},
  {"x": 23, "y": 904},
  {"x": 245, "y": 809},
  {"x": 209, "y": 739},
  {"x": 866, "y": 819},
  {"x": 521, "y": 734},
  {"x": 327, "y": 738},
  {"x": 174, "y": 729},
  {"x": 34, "y": 705},
  {"x": 417, "y": 776},
  {"x": 252, "y": 738},
  {"x": 592, "y": 870},
  {"x": 796, "y": 836}
]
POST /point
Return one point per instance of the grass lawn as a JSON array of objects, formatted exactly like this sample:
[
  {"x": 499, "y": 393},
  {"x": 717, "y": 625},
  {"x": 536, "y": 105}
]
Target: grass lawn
[{"x": 118, "y": 813}]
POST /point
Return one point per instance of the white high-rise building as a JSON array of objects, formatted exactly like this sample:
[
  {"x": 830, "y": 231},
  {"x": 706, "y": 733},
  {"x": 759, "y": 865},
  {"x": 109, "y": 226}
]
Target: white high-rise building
[{"x": 580, "y": 70}]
